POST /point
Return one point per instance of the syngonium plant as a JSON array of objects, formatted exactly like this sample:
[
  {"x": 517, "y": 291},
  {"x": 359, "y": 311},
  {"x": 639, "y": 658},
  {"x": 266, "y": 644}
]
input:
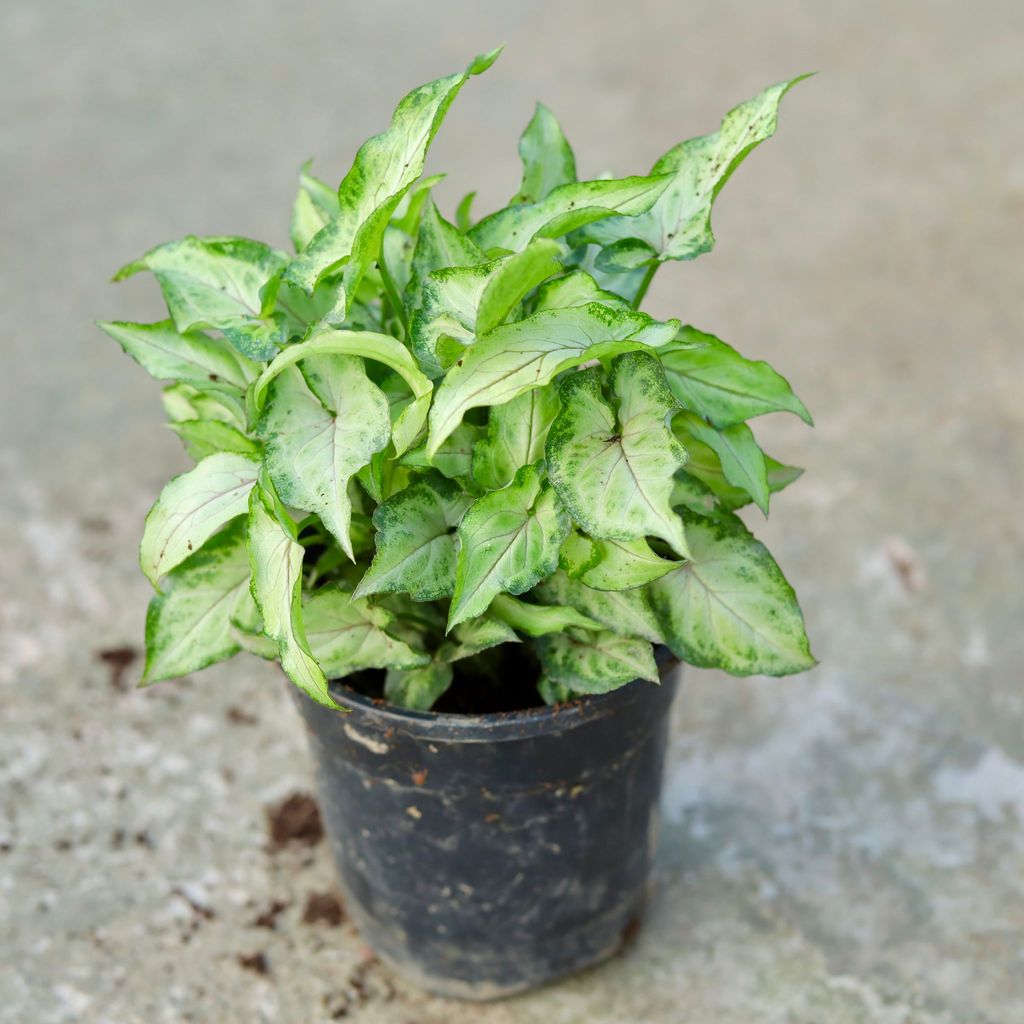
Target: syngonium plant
[{"x": 417, "y": 440}]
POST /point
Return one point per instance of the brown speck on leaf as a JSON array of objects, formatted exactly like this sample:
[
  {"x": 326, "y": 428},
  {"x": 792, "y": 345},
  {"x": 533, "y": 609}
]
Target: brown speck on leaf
[
  {"x": 239, "y": 716},
  {"x": 256, "y": 962},
  {"x": 296, "y": 819},
  {"x": 323, "y": 907},
  {"x": 420, "y": 777},
  {"x": 118, "y": 660},
  {"x": 268, "y": 918}
]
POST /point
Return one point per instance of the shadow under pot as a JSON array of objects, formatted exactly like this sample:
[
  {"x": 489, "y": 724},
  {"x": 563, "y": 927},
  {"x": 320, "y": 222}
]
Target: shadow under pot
[{"x": 484, "y": 855}]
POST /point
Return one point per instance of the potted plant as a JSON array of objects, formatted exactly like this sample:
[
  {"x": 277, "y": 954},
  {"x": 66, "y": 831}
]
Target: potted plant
[{"x": 475, "y": 502}]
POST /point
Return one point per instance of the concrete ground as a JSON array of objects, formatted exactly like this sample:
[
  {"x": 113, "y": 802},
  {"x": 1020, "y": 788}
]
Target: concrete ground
[{"x": 843, "y": 847}]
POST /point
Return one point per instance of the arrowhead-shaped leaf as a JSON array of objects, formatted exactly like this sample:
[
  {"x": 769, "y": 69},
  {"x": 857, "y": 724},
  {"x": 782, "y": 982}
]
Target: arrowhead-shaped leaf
[
  {"x": 192, "y": 356},
  {"x": 628, "y": 612},
  {"x": 713, "y": 380},
  {"x": 188, "y": 626},
  {"x": 384, "y": 168},
  {"x": 508, "y": 541},
  {"x": 730, "y": 607},
  {"x": 702, "y": 486},
  {"x": 416, "y": 541},
  {"x": 454, "y": 459},
  {"x": 319, "y": 427},
  {"x": 460, "y": 303},
  {"x": 192, "y": 507},
  {"x": 612, "y": 564},
  {"x": 517, "y": 357},
  {"x": 315, "y": 205},
  {"x": 567, "y": 208},
  {"x": 516, "y": 432},
  {"x": 346, "y": 635},
  {"x": 275, "y": 557},
  {"x": 742, "y": 461},
  {"x": 438, "y": 245},
  {"x": 547, "y": 157},
  {"x": 613, "y": 468},
  {"x": 678, "y": 225},
  {"x": 420, "y": 688},
  {"x": 207, "y": 437},
  {"x": 595, "y": 662},
  {"x": 216, "y": 283}
]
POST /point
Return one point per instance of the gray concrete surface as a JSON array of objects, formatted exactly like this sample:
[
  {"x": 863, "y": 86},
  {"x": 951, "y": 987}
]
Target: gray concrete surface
[{"x": 838, "y": 848}]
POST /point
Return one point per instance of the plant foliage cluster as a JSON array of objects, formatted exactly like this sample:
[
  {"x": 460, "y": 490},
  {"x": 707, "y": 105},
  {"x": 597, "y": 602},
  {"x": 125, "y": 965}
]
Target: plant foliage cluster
[{"x": 417, "y": 439}]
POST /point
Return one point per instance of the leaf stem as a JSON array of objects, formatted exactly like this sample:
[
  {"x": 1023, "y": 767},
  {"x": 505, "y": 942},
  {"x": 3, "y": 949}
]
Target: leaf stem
[
  {"x": 391, "y": 290},
  {"x": 644, "y": 285}
]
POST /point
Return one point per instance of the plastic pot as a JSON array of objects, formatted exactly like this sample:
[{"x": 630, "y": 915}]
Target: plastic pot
[{"x": 482, "y": 856}]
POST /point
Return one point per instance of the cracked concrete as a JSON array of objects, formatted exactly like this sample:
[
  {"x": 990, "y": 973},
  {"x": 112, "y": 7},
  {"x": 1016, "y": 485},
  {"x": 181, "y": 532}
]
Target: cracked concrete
[{"x": 843, "y": 847}]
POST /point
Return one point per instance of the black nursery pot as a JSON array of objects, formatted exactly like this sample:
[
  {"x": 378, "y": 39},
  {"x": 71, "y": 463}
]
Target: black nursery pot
[{"x": 486, "y": 855}]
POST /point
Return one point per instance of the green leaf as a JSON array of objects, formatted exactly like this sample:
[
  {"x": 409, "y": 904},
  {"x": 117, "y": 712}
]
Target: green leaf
[
  {"x": 517, "y": 357},
  {"x": 192, "y": 507},
  {"x": 275, "y": 557},
  {"x": 595, "y": 662},
  {"x": 742, "y": 461},
  {"x": 318, "y": 432},
  {"x": 628, "y": 612},
  {"x": 463, "y": 212},
  {"x": 188, "y": 626},
  {"x": 216, "y": 283},
  {"x": 378, "y": 347},
  {"x": 416, "y": 541},
  {"x": 702, "y": 486},
  {"x": 552, "y": 692},
  {"x": 730, "y": 607},
  {"x": 613, "y": 468},
  {"x": 247, "y": 626},
  {"x": 454, "y": 459},
  {"x": 384, "y": 168},
  {"x": 547, "y": 157},
  {"x": 678, "y": 225},
  {"x": 315, "y": 204},
  {"x": 476, "y": 635},
  {"x": 508, "y": 541},
  {"x": 516, "y": 432},
  {"x": 538, "y": 619},
  {"x": 461, "y": 303},
  {"x": 184, "y": 401},
  {"x": 206, "y": 437},
  {"x": 577, "y": 288},
  {"x": 346, "y": 635},
  {"x": 624, "y": 256},
  {"x": 565, "y": 209},
  {"x": 712, "y": 379},
  {"x": 612, "y": 564},
  {"x": 420, "y": 688},
  {"x": 438, "y": 245},
  {"x": 169, "y": 355}
]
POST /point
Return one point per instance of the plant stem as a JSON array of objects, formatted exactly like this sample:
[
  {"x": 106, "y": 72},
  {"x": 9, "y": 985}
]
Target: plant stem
[
  {"x": 644, "y": 285},
  {"x": 391, "y": 290}
]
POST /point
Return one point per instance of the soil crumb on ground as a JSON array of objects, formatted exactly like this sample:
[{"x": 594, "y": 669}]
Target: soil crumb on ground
[
  {"x": 296, "y": 819},
  {"x": 323, "y": 907},
  {"x": 255, "y": 962},
  {"x": 118, "y": 660}
]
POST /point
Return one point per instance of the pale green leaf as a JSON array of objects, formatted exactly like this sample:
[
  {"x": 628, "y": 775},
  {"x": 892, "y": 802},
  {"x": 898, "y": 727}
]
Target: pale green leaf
[
  {"x": 678, "y": 225},
  {"x": 438, "y": 245},
  {"x": 567, "y": 208},
  {"x": 420, "y": 688},
  {"x": 192, "y": 507},
  {"x": 188, "y": 626},
  {"x": 712, "y": 379},
  {"x": 742, "y": 461},
  {"x": 576, "y": 288},
  {"x": 552, "y": 692},
  {"x": 730, "y": 607},
  {"x": 514, "y": 358},
  {"x": 628, "y": 612},
  {"x": 206, "y": 437},
  {"x": 454, "y": 459},
  {"x": 275, "y": 558},
  {"x": 184, "y": 401},
  {"x": 702, "y": 486},
  {"x": 384, "y": 168},
  {"x": 626, "y": 255},
  {"x": 346, "y": 635},
  {"x": 464, "y": 212},
  {"x": 538, "y": 619},
  {"x": 613, "y": 468},
  {"x": 247, "y": 627},
  {"x": 476, "y": 635},
  {"x": 315, "y": 204},
  {"x": 612, "y": 564},
  {"x": 368, "y": 345},
  {"x": 516, "y": 432},
  {"x": 508, "y": 541},
  {"x": 595, "y": 662},
  {"x": 460, "y": 303},
  {"x": 547, "y": 157},
  {"x": 416, "y": 541},
  {"x": 191, "y": 356}
]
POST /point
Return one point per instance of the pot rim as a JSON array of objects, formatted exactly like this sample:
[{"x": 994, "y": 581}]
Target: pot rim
[{"x": 499, "y": 725}]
